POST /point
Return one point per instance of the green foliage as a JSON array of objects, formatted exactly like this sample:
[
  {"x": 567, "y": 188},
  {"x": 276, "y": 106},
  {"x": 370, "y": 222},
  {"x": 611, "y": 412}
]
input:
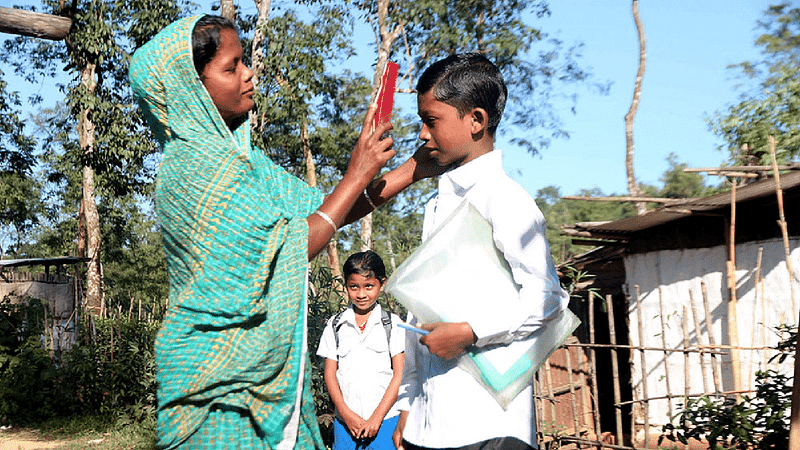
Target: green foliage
[
  {"x": 28, "y": 387},
  {"x": 559, "y": 212},
  {"x": 542, "y": 73},
  {"x": 110, "y": 370},
  {"x": 680, "y": 184},
  {"x": 760, "y": 422},
  {"x": 773, "y": 107}
]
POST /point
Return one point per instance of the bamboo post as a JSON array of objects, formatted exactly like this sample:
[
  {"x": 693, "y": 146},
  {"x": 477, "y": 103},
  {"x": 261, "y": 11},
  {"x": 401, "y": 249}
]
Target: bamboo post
[
  {"x": 715, "y": 369},
  {"x": 697, "y": 334},
  {"x": 573, "y": 402},
  {"x": 614, "y": 367},
  {"x": 759, "y": 296},
  {"x": 686, "y": 373},
  {"x": 550, "y": 392},
  {"x": 593, "y": 368},
  {"x": 666, "y": 355},
  {"x": 646, "y": 402},
  {"x": 733, "y": 320},
  {"x": 782, "y": 221}
]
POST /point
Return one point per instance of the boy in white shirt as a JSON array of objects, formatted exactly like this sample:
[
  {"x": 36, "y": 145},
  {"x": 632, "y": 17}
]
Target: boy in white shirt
[
  {"x": 460, "y": 101},
  {"x": 363, "y": 347}
]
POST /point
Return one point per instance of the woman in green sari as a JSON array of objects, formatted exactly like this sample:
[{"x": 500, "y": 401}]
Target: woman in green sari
[{"x": 238, "y": 233}]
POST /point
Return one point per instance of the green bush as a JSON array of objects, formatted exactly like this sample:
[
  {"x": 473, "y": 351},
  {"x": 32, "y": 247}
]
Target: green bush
[
  {"x": 110, "y": 370},
  {"x": 758, "y": 422},
  {"x": 27, "y": 374}
]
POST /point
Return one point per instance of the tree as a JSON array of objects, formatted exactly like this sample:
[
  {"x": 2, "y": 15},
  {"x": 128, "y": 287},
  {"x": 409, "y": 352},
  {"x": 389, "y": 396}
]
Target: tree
[
  {"x": 633, "y": 187},
  {"x": 19, "y": 202},
  {"x": 681, "y": 184},
  {"x": 113, "y": 160},
  {"x": 772, "y": 108}
]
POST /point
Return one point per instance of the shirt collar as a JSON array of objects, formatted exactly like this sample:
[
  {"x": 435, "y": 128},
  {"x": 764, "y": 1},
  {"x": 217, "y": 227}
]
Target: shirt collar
[
  {"x": 350, "y": 314},
  {"x": 462, "y": 178}
]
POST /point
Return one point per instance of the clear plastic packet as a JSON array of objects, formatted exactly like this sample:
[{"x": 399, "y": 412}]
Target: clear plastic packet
[{"x": 459, "y": 269}]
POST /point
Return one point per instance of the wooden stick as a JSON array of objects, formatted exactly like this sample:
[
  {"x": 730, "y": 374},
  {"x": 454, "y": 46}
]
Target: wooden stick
[
  {"x": 715, "y": 369},
  {"x": 697, "y": 334},
  {"x": 549, "y": 379},
  {"x": 33, "y": 24},
  {"x": 593, "y": 367},
  {"x": 614, "y": 366},
  {"x": 686, "y": 373},
  {"x": 733, "y": 321},
  {"x": 759, "y": 295},
  {"x": 646, "y": 403},
  {"x": 573, "y": 400},
  {"x": 666, "y": 355},
  {"x": 782, "y": 222}
]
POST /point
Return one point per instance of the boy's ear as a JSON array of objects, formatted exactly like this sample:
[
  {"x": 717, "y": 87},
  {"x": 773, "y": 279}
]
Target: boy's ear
[{"x": 480, "y": 120}]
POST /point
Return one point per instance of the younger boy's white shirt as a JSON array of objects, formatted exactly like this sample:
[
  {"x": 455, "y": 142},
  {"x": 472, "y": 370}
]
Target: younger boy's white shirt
[
  {"x": 447, "y": 407},
  {"x": 364, "y": 369}
]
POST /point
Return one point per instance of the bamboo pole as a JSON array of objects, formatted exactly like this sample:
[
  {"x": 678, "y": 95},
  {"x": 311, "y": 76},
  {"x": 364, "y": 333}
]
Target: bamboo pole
[
  {"x": 593, "y": 368},
  {"x": 646, "y": 403},
  {"x": 612, "y": 332},
  {"x": 782, "y": 222},
  {"x": 715, "y": 369},
  {"x": 573, "y": 401},
  {"x": 666, "y": 355},
  {"x": 549, "y": 379},
  {"x": 733, "y": 320},
  {"x": 686, "y": 373},
  {"x": 697, "y": 335},
  {"x": 759, "y": 295}
]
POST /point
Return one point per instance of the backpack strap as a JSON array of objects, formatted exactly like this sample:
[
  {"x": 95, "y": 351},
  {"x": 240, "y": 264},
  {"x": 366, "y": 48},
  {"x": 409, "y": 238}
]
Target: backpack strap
[
  {"x": 336, "y": 325},
  {"x": 386, "y": 320}
]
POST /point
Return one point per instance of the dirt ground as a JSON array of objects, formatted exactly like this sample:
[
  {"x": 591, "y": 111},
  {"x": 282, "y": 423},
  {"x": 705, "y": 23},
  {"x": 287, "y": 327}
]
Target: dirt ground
[{"x": 22, "y": 439}]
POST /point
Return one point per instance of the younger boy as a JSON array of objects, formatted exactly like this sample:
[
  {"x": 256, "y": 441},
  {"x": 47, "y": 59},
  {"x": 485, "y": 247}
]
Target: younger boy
[{"x": 460, "y": 101}]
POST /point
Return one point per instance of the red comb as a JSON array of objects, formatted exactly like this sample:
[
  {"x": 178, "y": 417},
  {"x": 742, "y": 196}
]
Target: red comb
[{"x": 386, "y": 94}]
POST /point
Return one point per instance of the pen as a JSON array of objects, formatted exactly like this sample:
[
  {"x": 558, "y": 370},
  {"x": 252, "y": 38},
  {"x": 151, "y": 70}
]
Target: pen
[{"x": 414, "y": 329}]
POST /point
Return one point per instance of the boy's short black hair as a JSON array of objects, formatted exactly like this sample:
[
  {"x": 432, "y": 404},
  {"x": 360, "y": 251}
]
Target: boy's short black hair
[{"x": 465, "y": 81}]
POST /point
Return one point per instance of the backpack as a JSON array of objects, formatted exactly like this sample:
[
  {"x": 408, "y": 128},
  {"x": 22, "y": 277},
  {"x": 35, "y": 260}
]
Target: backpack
[{"x": 386, "y": 320}]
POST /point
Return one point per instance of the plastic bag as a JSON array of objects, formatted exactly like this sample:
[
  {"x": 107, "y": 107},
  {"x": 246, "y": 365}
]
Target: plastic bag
[{"x": 459, "y": 269}]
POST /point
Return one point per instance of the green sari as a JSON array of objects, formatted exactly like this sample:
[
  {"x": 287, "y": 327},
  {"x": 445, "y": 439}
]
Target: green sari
[{"x": 231, "y": 357}]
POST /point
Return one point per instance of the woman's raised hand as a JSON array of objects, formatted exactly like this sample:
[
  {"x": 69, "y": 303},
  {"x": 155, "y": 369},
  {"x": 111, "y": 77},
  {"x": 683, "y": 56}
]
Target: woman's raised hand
[{"x": 371, "y": 152}]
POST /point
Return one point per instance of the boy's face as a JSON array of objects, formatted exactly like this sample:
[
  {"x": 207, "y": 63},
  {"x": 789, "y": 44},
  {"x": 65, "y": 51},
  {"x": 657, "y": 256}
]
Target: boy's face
[{"x": 449, "y": 138}]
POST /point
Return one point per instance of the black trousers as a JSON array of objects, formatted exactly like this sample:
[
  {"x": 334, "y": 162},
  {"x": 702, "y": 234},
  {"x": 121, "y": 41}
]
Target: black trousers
[{"x": 503, "y": 443}]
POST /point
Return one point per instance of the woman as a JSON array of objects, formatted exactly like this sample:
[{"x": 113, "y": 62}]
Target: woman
[{"x": 238, "y": 233}]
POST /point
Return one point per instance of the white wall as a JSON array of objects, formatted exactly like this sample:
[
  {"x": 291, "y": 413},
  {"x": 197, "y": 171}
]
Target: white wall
[{"x": 679, "y": 273}]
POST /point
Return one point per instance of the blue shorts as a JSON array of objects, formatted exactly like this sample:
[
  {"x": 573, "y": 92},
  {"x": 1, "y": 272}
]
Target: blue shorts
[{"x": 343, "y": 440}]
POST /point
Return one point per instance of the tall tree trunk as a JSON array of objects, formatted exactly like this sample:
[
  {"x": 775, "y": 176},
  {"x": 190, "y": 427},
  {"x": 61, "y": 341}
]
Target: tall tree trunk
[
  {"x": 386, "y": 39},
  {"x": 633, "y": 187},
  {"x": 94, "y": 278},
  {"x": 227, "y": 9},
  {"x": 257, "y": 50},
  {"x": 311, "y": 176}
]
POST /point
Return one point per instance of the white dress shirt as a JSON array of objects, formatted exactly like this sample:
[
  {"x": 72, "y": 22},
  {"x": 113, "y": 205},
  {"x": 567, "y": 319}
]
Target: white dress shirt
[
  {"x": 447, "y": 406},
  {"x": 364, "y": 370}
]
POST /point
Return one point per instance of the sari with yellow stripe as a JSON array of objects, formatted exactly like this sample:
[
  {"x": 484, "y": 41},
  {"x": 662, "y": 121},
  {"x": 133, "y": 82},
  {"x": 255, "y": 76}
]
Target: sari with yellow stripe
[{"x": 231, "y": 356}]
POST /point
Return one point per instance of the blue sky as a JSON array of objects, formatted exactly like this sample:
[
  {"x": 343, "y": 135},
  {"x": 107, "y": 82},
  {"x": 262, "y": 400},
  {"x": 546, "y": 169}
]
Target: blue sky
[{"x": 689, "y": 44}]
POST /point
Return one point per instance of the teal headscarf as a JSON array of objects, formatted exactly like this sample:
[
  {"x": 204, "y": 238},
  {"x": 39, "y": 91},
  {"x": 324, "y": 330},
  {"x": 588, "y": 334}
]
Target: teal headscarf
[{"x": 231, "y": 352}]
